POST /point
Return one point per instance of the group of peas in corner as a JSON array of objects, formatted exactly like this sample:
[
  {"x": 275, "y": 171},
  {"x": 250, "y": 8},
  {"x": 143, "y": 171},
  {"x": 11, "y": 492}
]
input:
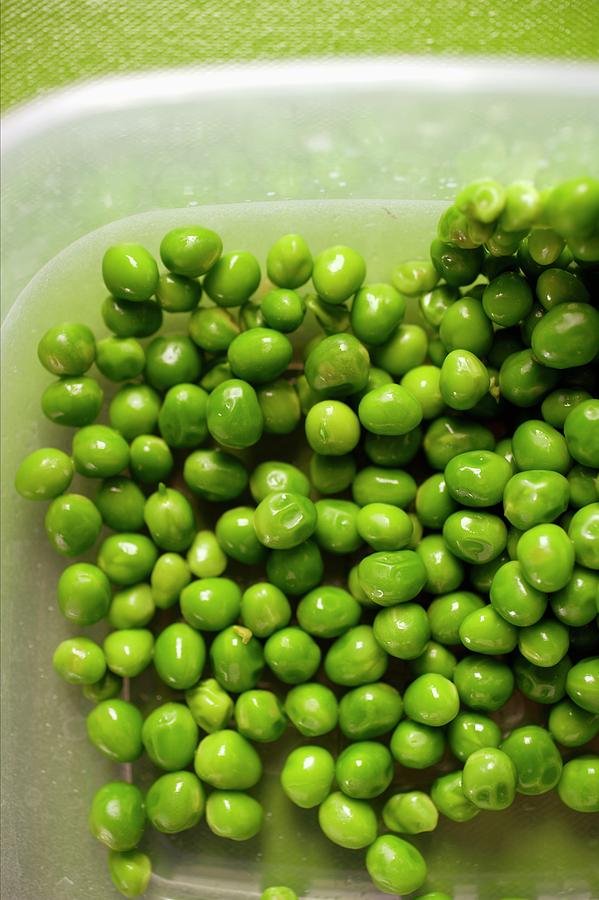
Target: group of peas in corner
[{"x": 469, "y": 446}]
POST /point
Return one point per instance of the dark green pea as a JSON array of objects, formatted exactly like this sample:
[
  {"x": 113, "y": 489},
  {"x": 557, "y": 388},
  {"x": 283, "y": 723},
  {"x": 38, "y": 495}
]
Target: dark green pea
[
  {"x": 579, "y": 785},
  {"x": 211, "y": 604},
  {"x": 219, "y": 371},
  {"x": 234, "y": 415},
  {"x": 233, "y": 815},
  {"x": 455, "y": 265},
  {"x": 332, "y": 474},
  {"x": 237, "y": 659},
  {"x": 259, "y": 716},
  {"x": 107, "y": 688},
  {"x": 84, "y": 594},
  {"x": 233, "y": 279},
  {"x": 175, "y": 802},
  {"x": 292, "y": 655},
  {"x": 555, "y": 286},
  {"x": 534, "y": 497},
  {"x": 355, "y": 658},
  {"x": 79, "y": 661},
  {"x": 546, "y": 556},
  {"x": 151, "y": 460},
  {"x": 170, "y": 736},
  {"x": 328, "y": 611},
  {"x": 489, "y": 779},
  {"x": 44, "y": 474},
  {"x": 582, "y": 684},
  {"x": 536, "y": 758},
  {"x": 576, "y": 603},
  {"x": 483, "y": 683},
  {"x": 182, "y": 416},
  {"x": 514, "y": 598},
  {"x": 227, "y": 761},
  {"x": 215, "y": 475},
  {"x": 250, "y": 316},
  {"x": 523, "y": 381},
  {"x": 530, "y": 322},
  {"x": 127, "y": 558},
  {"x": 114, "y": 726},
  {"x": 336, "y": 526},
  {"x": 276, "y": 477},
  {"x": 283, "y": 310},
  {"x": 129, "y": 272},
  {"x": 296, "y": 571},
  {"x": 364, "y": 770},
  {"x": 384, "y": 527},
  {"x": 337, "y": 366},
  {"x": 443, "y": 571},
  {"x": 177, "y": 294},
  {"x": 73, "y": 524},
  {"x": 434, "y": 304},
  {"x": 495, "y": 265},
  {"x": 369, "y": 711},
  {"x": 213, "y": 329},
  {"x": 406, "y": 348},
  {"x": 129, "y": 651},
  {"x": 236, "y": 534},
  {"x": 130, "y": 319},
  {"x": 465, "y": 327},
  {"x": 572, "y": 208},
  {"x": 347, "y": 822},
  {"x": 543, "y": 685},
  {"x": 470, "y": 732},
  {"x": 417, "y": 746},
  {"x": 390, "y": 410},
  {"x": 67, "y": 349},
  {"x": 572, "y": 726},
  {"x": 331, "y": 317},
  {"x": 117, "y": 817},
  {"x": 461, "y": 230},
  {"x": 259, "y": 355},
  {"x": 447, "y": 794},
  {"x": 121, "y": 504},
  {"x": 289, "y": 261},
  {"x": 169, "y": 576},
  {"x": 338, "y": 273},
  {"x": 485, "y": 631},
  {"x": 377, "y": 309},
  {"x": 583, "y": 485},
  {"x": 134, "y": 410},
  {"x": 390, "y": 577},
  {"x": 190, "y": 250},
  {"x": 312, "y": 709},
  {"x": 73, "y": 401},
  {"x": 475, "y": 536},
  {"x": 506, "y": 342},
  {"x": 120, "y": 359},
  {"x": 392, "y": 451},
  {"x": 583, "y": 531},
  {"x": 383, "y": 485},
  {"x": 170, "y": 360},
  {"x": 264, "y": 609},
  {"x": 307, "y": 776},
  {"x": 538, "y": 445},
  {"x": 567, "y": 336},
  {"x": 464, "y": 380},
  {"x": 448, "y": 436},
  {"x": 507, "y": 299},
  {"x": 505, "y": 243},
  {"x": 210, "y": 706},
  {"x": 581, "y": 430},
  {"x": 410, "y": 813},
  {"x": 436, "y": 352},
  {"x": 403, "y": 631},
  {"x": 280, "y": 407},
  {"x": 414, "y": 276}
]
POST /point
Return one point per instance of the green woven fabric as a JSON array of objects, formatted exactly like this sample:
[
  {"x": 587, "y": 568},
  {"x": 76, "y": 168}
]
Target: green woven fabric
[{"x": 55, "y": 42}]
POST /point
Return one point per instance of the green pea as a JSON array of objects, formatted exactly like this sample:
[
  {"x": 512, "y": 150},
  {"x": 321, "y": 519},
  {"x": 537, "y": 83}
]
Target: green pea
[
  {"x": 582, "y": 684},
  {"x": 507, "y": 299},
  {"x": 117, "y": 817},
  {"x": 437, "y": 352},
  {"x": 328, "y": 611},
  {"x": 364, "y": 770},
  {"x": 107, "y": 688},
  {"x": 485, "y": 631},
  {"x": 211, "y": 604},
  {"x": 295, "y": 571},
  {"x": 347, "y": 822},
  {"x": 443, "y": 571},
  {"x": 483, "y": 683},
  {"x": 190, "y": 250},
  {"x": 273, "y": 477},
  {"x": 536, "y": 758},
  {"x": 236, "y": 659},
  {"x": 151, "y": 460},
  {"x": 233, "y": 279},
  {"x": 134, "y": 410},
  {"x": 483, "y": 200},
  {"x": 73, "y": 524},
  {"x": 177, "y": 294},
  {"x": 534, "y": 497},
  {"x": 514, "y": 598},
  {"x": 477, "y": 477},
  {"x": 555, "y": 286},
  {"x": 67, "y": 349},
  {"x": 182, "y": 416},
  {"x": 312, "y": 709},
  {"x": 448, "y": 436},
  {"x": 130, "y": 872},
  {"x": 210, "y": 706},
  {"x": 395, "y": 866},
  {"x": 464, "y": 380},
  {"x": 170, "y": 736},
  {"x": 170, "y": 519},
  {"x": 583, "y": 532},
  {"x": 523, "y": 381},
  {"x": 507, "y": 341},
  {"x": 383, "y": 526},
  {"x": 234, "y": 815},
  {"x": 423, "y": 383},
  {"x": 392, "y": 451},
  {"x": 120, "y": 359},
  {"x": 543, "y": 685},
  {"x": 259, "y": 355},
  {"x": 489, "y": 779},
  {"x": 127, "y": 318},
  {"x": 130, "y": 272},
  {"x": 132, "y": 607},
  {"x": 410, "y": 813},
  {"x": 292, "y": 655},
  {"x": 307, "y": 776},
  {"x": 572, "y": 207},
  {"x": 331, "y": 317},
  {"x": 578, "y": 787},
  {"x": 583, "y": 486},
  {"x": 383, "y": 485},
  {"x": 473, "y": 536},
  {"x": 169, "y": 576},
  {"x": 390, "y": 410},
  {"x": 99, "y": 452},
  {"x": 434, "y": 304},
  {"x": 546, "y": 556},
  {"x": 278, "y": 893},
  {"x": 337, "y": 366},
  {"x": 417, "y": 746},
  {"x": 403, "y": 631},
  {"x": 456, "y": 265},
  {"x": 84, "y": 594},
  {"x": 215, "y": 475},
  {"x": 465, "y": 327},
  {"x": 433, "y": 501},
  {"x": 447, "y": 613},
  {"x": 390, "y": 577},
  {"x": 538, "y": 445},
  {"x": 121, "y": 504},
  {"x": 264, "y": 609},
  {"x": 414, "y": 277},
  {"x": 44, "y": 474},
  {"x": 237, "y": 536},
  {"x": 576, "y": 603},
  {"x": 545, "y": 643},
  {"x": 129, "y": 651},
  {"x": 567, "y": 336},
  {"x": 234, "y": 415},
  {"x": 406, "y": 348},
  {"x": 227, "y": 761},
  {"x": 114, "y": 727},
  {"x": 73, "y": 401},
  {"x": 431, "y": 700},
  {"x": 127, "y": 558},
  {"x": 175, "y": 802},
  {"x": 79, "y": 661},
  {"x": 572, "y": 726},
  {"x": 250, "y": 316},
  {"x": 332, "y": 474},
  {"x": 280, "y": 407},
  {"x": 213, "y": 329},
  {"x": 336, "y": 530},
  {"x": 284, "y": 520},
  {"x": 283, "y": 310},
  {"x": 377, "y": 310},
  {"x": 447, "y": 794},
  {"x": 170, "y": 360},
  {"x": 581, "y": 430},
  {"x": 470, "y": 732},
  {"x": 505, "y": 243},
  {"x": 338, "y": 273},
  {"x": 179, "y": 656},
  {"x": 369, "y": 711},
  {"x": 259, "y": 716},
  {"x": 289, "y": 261},
  {"x": 434, "y": 659},
  {"x": 355, "y": 658}
]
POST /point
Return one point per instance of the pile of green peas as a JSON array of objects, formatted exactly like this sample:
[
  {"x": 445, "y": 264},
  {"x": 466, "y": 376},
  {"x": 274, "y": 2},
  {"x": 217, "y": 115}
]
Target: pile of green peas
[{"x": 437, "y": 552}]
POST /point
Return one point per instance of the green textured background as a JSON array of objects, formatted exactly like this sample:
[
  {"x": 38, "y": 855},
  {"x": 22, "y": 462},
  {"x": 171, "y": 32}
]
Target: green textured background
[{"x": 49, "y": 43}]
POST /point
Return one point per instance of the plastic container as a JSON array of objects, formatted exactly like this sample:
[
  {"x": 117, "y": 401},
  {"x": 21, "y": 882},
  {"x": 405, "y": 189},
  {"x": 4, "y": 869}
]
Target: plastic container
[{"x": 382, "y": 144}]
